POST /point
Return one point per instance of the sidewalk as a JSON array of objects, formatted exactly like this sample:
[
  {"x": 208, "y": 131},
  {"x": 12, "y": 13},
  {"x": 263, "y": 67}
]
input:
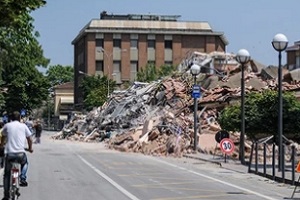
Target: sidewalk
[
  {"x": 235, "y": 165},
  {"x": 230, "y": 163}
]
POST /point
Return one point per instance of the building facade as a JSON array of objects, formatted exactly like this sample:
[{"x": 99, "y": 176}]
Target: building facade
[
  {"x": 293, "y": 56},
  {"x": 118, "y": 46},
  {"x": 63, "y": 100}
]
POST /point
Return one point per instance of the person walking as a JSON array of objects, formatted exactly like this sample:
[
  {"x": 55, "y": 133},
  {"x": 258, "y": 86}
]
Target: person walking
[
  {"x": 15, "y": 134},
  {"x": 38, "y": 131},
  {"x": 29, "y": 124}
]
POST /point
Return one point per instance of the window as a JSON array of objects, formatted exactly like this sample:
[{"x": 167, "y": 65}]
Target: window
[
  {"x": 298, "y": 61},
  {"x": 99, "y": 42},
  {"x": 168, "y": 63},
  {"x": 99, "y": 66},
  {"x": 117, "y": 71},
  {"x": 151, "y": 62},
  {"x": 151, "y": 44},
  {"x": 117, "y": 66},
  {"x": 80, "y": 58},
  {"x": 133, "y": 70},
  {"x": 117, "y": 43},
  {"x": 134, "y": 43},
  {"x": 168, "y": 44}
]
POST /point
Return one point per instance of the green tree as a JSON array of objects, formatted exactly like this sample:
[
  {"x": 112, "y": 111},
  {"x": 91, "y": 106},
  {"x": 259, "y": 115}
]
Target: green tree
[
  {"x": 261, "y": 115},
  {"x": 27, "y": 88},
  {"x": 95, "y": 98},
  {"x": 58, "y": 74},
  {"x": 147, "y": 74},
  {"x": 12, "y": 12},
  {"x": 48, "y": 109},
  {"x": 20, "y": 53},
  {"x": 151, "y": 73},
  {"x": 166, "y": 70},
  {"x": 95, "y": 90}
]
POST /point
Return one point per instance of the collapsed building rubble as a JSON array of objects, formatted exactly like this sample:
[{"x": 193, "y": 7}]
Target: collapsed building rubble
[{"x": 157, "y": 118}]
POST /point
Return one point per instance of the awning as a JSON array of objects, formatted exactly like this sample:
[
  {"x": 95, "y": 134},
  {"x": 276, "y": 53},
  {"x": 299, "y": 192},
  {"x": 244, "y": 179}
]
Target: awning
[
  {"x": 63, "y": 117},
  {"x": 66, "y": 100}
]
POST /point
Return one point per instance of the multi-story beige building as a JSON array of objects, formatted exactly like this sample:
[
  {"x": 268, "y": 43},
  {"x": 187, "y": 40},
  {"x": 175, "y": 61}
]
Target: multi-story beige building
[{"x": 118, "y": 46}]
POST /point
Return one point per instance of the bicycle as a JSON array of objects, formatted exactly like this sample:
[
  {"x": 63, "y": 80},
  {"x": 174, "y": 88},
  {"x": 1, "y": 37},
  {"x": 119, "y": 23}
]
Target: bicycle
[
  {"x": 15, "y": 173},
  {"x": 15, "y": 180}
]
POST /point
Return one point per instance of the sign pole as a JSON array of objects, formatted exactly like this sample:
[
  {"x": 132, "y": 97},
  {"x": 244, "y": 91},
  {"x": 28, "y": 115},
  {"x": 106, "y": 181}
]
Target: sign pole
[
  {"x": 195, "y": 95},
  {"x": 227, "y": 146}
]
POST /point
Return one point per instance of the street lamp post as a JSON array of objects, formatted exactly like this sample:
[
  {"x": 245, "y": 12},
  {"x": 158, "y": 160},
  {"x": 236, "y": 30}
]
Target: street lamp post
[
  {"x": 242, "y": 57},
  {"x": 108, "y": 56},
  {"x": 195, "y": 70},
  {"x": 49, "y": 114},
  {"x": 109, "y": 59},
  {"x": 280, "y": 43}
]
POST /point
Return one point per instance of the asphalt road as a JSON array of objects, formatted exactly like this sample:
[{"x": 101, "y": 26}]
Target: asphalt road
[{"x": 66, "y": 170}]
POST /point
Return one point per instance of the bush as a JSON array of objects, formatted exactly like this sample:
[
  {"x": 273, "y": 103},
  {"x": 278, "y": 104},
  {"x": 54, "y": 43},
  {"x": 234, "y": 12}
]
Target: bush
[{"x": 261, "y": 115}]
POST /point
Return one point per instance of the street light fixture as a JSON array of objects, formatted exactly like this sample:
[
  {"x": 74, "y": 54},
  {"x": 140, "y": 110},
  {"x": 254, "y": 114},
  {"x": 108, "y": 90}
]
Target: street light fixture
[
  {"x": 280, "y": 43},
  {"x": 83, "y": 73},
  {"x": 195, "y": 70},
  {"x": 242, "y": 57}
]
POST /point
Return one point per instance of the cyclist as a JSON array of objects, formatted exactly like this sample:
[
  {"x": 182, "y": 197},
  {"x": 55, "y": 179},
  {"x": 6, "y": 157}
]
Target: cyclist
[{"x": 16, "y": 134}]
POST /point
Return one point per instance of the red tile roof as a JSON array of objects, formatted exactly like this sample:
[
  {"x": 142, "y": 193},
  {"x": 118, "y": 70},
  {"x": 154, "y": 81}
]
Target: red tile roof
[{"x": 68, "y": 85}]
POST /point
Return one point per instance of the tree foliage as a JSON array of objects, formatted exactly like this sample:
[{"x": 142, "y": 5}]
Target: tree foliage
[
  {"x": 58, "y": 74},
  {"x": 27, "y": 89},
  {"x": 95, "y": 98},
  {"x": 20, "y": 53},
  {"x": 12, "y": 12},
  {"x": 261, "y": 115},
  {"x": 151, "y": 73},
  {"x": 95, "y": 90}
]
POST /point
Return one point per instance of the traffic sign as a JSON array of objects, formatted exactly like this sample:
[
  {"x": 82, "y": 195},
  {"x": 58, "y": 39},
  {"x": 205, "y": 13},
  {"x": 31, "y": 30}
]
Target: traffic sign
[
  {"x": 5, "y": 119},
  {"x": 220, "y": 135},
  {"x": 227, "y": 145},
  {"x": 23, "y": 112},
  {"x": 196, "y": 93}
]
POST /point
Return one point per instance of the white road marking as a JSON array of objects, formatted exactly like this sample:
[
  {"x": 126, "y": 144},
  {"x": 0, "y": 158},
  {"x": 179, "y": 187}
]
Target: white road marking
[
  {"x": 220, "y": 181},
  {"x": 116, "y": 185}
]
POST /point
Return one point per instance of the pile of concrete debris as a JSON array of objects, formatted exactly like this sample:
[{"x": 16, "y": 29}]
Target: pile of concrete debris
[
  {"x": 157, "y": 118},
  {"x": 152, "y": 118}
]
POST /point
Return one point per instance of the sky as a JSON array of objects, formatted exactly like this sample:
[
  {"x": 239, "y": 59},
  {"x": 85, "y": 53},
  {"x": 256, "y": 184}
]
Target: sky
[{"x": 247, "y": 24}]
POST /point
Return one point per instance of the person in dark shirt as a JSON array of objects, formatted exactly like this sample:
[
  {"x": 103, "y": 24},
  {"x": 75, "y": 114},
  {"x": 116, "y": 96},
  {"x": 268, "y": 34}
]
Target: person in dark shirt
[{"x": 38, "y": 131}]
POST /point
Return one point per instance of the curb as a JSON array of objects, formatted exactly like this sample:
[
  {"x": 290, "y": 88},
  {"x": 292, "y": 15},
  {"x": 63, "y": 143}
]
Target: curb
[
  {"x": 203, "y": 159},
  {"x": 221, "y": 164}
]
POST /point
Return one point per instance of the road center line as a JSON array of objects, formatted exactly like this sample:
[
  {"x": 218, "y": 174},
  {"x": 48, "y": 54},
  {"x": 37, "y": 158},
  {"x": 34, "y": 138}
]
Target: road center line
[
  {"x": 220, "y": 181},
  {"x": 116, "y": 185}
]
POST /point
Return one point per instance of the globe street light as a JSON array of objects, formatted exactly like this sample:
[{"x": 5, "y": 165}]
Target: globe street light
[
  {"x": 280, "y": 43},
  {"x": 242, "y": 57},
  {"x": 195, "y": 70}
]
